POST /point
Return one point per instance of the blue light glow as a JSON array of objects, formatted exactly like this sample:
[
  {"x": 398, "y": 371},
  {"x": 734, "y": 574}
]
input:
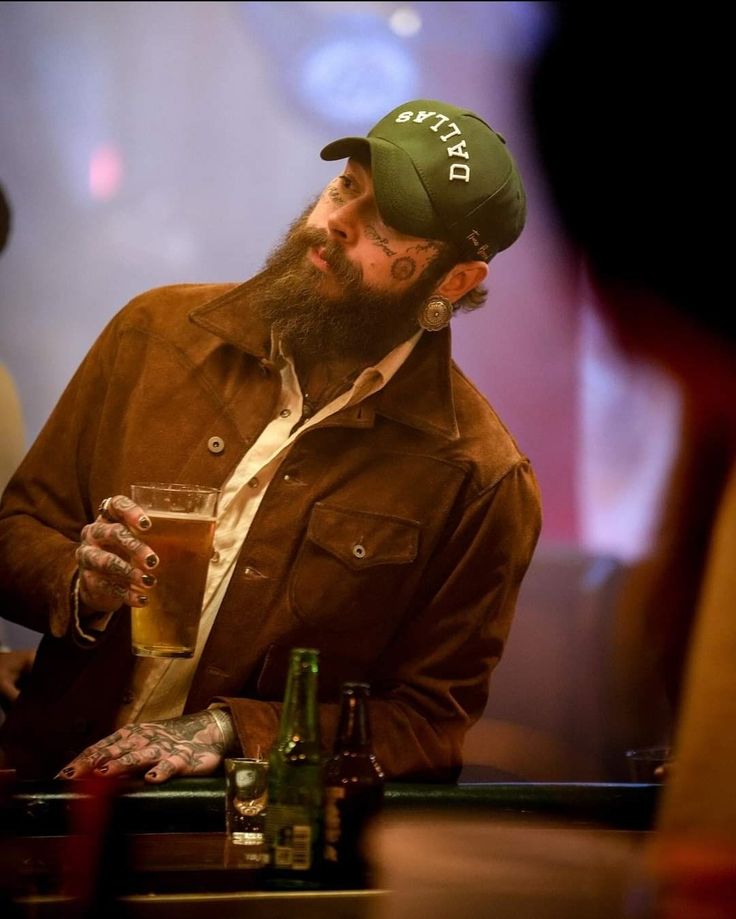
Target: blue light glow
[{"x": 356, "y": 79}]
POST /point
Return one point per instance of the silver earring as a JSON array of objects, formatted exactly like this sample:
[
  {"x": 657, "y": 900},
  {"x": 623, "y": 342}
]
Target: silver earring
[{"x": 435, "y": 314}]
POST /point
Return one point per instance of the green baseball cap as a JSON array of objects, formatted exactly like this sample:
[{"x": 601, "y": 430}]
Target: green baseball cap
[{"x": 441, "y": 172}]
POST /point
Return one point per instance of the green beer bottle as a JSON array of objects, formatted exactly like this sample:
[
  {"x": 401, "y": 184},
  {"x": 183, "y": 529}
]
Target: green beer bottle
[{"x": 294, "y": 814}]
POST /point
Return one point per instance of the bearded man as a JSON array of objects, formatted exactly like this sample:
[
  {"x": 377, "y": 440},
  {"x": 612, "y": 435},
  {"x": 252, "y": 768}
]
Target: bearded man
[{"x": 373, "y": 506}]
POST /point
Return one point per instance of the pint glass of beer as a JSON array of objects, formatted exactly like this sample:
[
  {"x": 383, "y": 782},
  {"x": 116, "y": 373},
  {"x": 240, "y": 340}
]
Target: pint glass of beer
[{"x": 181, "y": 534}]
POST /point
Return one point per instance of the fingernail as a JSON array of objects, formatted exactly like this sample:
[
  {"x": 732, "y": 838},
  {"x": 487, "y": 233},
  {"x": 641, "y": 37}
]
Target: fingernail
[
  {"x": 142, "y": 600},
  {"x": 66, "y": 773},
  {"x": 148, "y": 580},
  {"x": 144, "y": 523},
  {"x": 152, "y": 561},
  {"x": 102, "y": 769},
  {"x": 152, "y": 775}
]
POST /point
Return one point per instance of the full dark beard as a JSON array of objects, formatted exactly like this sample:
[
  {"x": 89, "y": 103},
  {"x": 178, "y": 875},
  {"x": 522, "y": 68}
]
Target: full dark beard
[{"x": 359, "y": 323}]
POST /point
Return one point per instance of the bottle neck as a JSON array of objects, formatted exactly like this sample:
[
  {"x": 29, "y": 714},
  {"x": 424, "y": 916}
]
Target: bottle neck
[
  {"x": 354, "y": 731},
  {"x": 299, "y": 722}
]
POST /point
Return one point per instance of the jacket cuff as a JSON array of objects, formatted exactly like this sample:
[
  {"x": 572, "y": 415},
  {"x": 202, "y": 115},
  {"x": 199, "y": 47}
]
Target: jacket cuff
[{"x": 256, "y": 724}]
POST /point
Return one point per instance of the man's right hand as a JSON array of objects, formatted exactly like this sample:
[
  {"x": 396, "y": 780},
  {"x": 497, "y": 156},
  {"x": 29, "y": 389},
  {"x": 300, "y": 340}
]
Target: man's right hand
[{"x": 114, "y": 563}]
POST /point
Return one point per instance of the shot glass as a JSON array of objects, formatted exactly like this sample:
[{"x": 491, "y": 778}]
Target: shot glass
[
  {"x": 182, "y": 530},
  {"x": 246, "y": 790}
]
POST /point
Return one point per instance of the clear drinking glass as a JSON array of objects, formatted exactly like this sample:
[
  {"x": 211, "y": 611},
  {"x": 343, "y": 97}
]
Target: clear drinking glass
[{"x": 182, "y": 531}]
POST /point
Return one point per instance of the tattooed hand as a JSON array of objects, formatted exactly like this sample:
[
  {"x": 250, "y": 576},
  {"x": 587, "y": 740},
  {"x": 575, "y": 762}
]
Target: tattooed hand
[
  {"x": 113, "y": 562},
  {"x": 190, "y": 745}
]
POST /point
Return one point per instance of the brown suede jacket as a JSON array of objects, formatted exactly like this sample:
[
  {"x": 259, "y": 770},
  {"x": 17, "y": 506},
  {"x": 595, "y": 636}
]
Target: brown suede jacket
[{"x": 422, "y": 474}]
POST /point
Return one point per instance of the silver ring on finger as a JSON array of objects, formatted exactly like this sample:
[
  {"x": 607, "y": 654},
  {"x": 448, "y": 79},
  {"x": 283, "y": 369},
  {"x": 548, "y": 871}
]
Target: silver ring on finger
[{"x": 104, "y": 510}]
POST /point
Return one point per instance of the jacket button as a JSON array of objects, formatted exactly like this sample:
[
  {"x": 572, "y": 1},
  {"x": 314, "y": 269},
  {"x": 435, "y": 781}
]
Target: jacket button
[
  {"x": 359, "y": 551},
  {"x": 253, "y": 483},
  {"x": 215, "y": 444}
]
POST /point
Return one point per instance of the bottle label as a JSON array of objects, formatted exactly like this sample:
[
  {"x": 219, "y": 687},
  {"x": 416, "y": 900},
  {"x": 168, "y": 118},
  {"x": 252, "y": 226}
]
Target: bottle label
[
  {"x": 290, "y": 835},
  {"x": 333, "y": 821}
]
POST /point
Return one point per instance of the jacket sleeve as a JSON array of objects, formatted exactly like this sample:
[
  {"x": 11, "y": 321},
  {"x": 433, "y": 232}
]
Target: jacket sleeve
[
  {"x": 46, "y": 503},
  {"x": 431, "y": 683}
]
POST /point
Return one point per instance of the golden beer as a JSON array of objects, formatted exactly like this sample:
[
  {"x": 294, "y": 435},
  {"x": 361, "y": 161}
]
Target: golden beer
[{"x": 182, "y": 540}]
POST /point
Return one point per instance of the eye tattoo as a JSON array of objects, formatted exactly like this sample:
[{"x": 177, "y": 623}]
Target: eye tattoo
[
  {"x": 372, "y": 233},
  {"x": 334, "y": 195},
  {"x": 403, "y": 268}
]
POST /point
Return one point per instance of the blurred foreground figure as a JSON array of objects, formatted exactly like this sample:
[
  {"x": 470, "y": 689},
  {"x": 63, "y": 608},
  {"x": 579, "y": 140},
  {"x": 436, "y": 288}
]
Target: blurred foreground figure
[
  {"x": 619, "y": 99},
  {"x": 14, "y": 664}
]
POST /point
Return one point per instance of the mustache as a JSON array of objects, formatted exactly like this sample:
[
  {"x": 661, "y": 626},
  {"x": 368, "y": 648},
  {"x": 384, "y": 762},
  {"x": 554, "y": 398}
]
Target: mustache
[{"x": 332, "y": 252}]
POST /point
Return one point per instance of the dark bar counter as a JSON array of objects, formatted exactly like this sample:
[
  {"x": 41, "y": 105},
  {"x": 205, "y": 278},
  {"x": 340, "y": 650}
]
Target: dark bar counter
[
  {"x": 197, "y": 805},
  {"x": 162, "y": 852}
]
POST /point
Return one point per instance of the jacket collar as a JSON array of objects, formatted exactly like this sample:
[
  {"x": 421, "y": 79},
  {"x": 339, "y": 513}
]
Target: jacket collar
[
  {"x": 419, "y": 394},
  {"x": 229, "y": 317}
]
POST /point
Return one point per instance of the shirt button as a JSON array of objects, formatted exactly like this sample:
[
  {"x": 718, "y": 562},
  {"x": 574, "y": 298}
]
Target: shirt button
[
  {"x": 359, "y": 551},
  {"x": 215, "y": 556},
  {"x": 253, "y": 483},
  {"x": 215, "y": 444},
  {"x": 285, "y": 412}
]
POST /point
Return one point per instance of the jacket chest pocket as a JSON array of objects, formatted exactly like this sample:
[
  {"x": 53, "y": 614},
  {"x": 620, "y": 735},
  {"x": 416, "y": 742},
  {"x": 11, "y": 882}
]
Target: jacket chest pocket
[{"x": 351, "y": 566}]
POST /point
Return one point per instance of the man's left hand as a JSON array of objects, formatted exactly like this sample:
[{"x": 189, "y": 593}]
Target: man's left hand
[{"x": 190, "y": 745}]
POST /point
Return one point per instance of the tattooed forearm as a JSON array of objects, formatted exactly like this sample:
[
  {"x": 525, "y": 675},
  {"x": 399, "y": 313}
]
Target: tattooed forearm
[
  {"x": 403, "y": 268},
  {"x": 372, "y": 233}
]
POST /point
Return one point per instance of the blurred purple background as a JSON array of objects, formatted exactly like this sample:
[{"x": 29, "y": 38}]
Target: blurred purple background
[{"x": 144, "y": 144}]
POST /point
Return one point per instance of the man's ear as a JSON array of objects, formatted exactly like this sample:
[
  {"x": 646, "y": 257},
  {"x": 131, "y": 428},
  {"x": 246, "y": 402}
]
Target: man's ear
[{"x": 462, "y": 278}]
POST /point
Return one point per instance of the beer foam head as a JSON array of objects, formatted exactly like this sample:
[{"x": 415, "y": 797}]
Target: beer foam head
[{"x": 440, "y": 172}]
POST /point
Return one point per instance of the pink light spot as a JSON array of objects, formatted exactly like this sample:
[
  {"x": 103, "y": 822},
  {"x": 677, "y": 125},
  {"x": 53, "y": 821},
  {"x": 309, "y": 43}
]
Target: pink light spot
[{"x": 105, "y": 172}]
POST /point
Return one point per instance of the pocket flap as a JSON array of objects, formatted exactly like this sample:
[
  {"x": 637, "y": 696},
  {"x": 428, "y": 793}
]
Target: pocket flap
[{"x": 361, "y": 539}]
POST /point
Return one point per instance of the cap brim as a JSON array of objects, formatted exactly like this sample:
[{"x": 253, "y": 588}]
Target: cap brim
[{"x": 401, "y": 197}]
